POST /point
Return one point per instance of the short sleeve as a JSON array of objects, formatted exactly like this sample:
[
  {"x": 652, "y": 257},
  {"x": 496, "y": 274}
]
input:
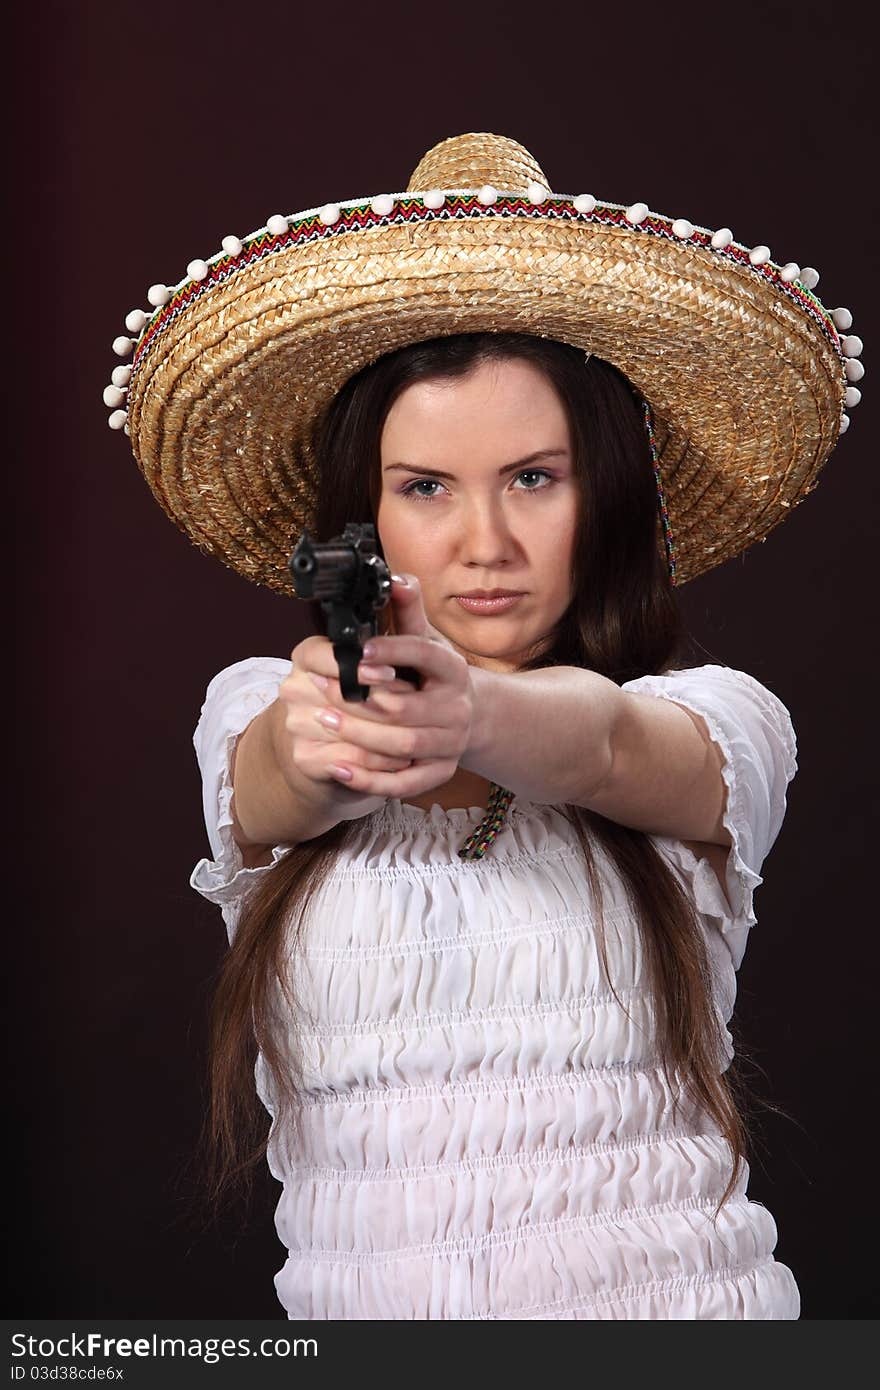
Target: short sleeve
[
  {"x": 754, "y": 731},
  {"x": 234, "y": 697}
]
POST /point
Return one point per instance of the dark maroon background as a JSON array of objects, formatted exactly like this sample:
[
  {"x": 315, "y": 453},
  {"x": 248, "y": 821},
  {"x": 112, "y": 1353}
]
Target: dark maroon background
[{"x": 143, "y": 133}]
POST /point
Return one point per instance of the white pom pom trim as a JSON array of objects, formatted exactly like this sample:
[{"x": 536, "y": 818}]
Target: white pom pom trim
[
  {"x": 113, "y": 395},
  {"x": 844, "y": 424},
  {"x": 383, "y": 204},
  {"x": 117, "y": 419},
  {"x": 851, "y": 397}
]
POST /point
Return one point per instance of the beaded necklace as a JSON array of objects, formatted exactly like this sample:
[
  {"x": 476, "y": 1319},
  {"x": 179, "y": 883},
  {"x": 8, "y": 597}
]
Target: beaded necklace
[{"x": 480, "y": 839}]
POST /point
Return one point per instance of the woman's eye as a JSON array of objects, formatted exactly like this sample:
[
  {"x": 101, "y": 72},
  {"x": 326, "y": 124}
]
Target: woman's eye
[
  {"x": 410, "y": 489},
  {"x": 534, "y": 473}
]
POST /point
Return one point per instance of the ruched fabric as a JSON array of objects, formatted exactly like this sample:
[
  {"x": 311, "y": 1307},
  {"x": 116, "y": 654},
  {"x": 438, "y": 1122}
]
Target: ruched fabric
[{"x": 486, "y": 1130}]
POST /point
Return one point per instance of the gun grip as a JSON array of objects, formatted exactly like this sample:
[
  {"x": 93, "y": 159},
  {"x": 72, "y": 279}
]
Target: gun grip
[
  {"x": 407, "y": 673},
  {"x": 348, "y": 660}
]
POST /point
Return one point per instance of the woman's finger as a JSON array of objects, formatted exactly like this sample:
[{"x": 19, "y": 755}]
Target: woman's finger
[
  {"x": 392, "y": 740},
  {"x": 330, "y": 692},
  {"x": 428, "y": 657},
  {"x": 316, "y": 756},
  {"x": 310, "y": 687},
  {"x": 422, "y": 709},
  {"x": 376, "y": 762},
  {"x": 413, "y": 781}
]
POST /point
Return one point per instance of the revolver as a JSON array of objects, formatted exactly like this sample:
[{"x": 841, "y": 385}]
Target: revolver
[{"x": 352, "y": 583}]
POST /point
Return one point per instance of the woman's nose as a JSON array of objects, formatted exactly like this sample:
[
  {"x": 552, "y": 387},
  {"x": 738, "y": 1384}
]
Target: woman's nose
[{"x": 486, "y": 537}]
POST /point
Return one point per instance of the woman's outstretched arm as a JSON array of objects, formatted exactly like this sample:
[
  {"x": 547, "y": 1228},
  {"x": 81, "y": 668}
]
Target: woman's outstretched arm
[
  {"x": 568, "y": 735},
  {"x": 557, "y": 735}
]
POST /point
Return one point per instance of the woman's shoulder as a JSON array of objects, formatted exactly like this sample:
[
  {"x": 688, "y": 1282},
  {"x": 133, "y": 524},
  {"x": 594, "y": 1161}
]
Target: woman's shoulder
[
  {"x": 246, "y": 674},
  {"x": 726, "y": 693}
]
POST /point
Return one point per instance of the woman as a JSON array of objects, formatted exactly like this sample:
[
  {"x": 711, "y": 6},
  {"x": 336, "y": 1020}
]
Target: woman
[{"x": 485, "y": 933}]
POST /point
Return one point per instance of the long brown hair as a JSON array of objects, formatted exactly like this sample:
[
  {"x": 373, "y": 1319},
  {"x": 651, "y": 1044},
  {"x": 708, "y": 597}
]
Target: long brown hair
[{"x": 624, "y": 621}]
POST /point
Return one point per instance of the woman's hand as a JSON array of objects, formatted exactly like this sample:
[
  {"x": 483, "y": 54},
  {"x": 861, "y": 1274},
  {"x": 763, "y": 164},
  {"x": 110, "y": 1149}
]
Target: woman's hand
[
  {"x": 312, "y": 684},
  {"x": 399, "y": 742}
]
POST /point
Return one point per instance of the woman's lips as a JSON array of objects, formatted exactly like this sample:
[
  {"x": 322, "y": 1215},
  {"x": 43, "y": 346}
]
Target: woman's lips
[{"x": 488, "y": 605}]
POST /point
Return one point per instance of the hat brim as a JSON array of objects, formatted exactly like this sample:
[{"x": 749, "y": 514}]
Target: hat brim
[{"x": 744, "y": 376}]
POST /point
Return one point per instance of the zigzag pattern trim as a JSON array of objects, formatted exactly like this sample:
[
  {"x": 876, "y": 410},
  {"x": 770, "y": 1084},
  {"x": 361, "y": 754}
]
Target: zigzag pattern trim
[{"x": 409, "y": 210}]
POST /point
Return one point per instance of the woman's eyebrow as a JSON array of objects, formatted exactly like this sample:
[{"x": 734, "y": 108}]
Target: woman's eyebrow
[{"x": 508, "y": 467}]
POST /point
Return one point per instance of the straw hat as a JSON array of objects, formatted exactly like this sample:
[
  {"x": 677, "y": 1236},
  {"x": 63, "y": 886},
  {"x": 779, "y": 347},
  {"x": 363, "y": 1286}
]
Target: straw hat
[{"x": 744, "y": 369}]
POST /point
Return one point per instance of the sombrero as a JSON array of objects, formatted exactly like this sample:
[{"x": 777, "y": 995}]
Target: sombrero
[{"x": 744, "y": 373}]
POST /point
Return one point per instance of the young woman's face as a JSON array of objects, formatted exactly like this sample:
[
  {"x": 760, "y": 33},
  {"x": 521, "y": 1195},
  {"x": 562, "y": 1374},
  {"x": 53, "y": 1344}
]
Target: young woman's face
[{"x": 498, "y": 518}]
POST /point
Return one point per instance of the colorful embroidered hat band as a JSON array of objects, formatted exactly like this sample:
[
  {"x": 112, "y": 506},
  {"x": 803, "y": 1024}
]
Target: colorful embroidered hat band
[{"x": 745, "y": 374}]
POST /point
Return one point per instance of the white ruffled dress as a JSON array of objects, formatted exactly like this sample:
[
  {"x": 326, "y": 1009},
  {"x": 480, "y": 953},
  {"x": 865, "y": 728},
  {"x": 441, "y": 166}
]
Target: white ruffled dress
[{"x": 486, "y": 1133}]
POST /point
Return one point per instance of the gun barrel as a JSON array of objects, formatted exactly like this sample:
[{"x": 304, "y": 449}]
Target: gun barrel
[{"x": 322, "y": 571}]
